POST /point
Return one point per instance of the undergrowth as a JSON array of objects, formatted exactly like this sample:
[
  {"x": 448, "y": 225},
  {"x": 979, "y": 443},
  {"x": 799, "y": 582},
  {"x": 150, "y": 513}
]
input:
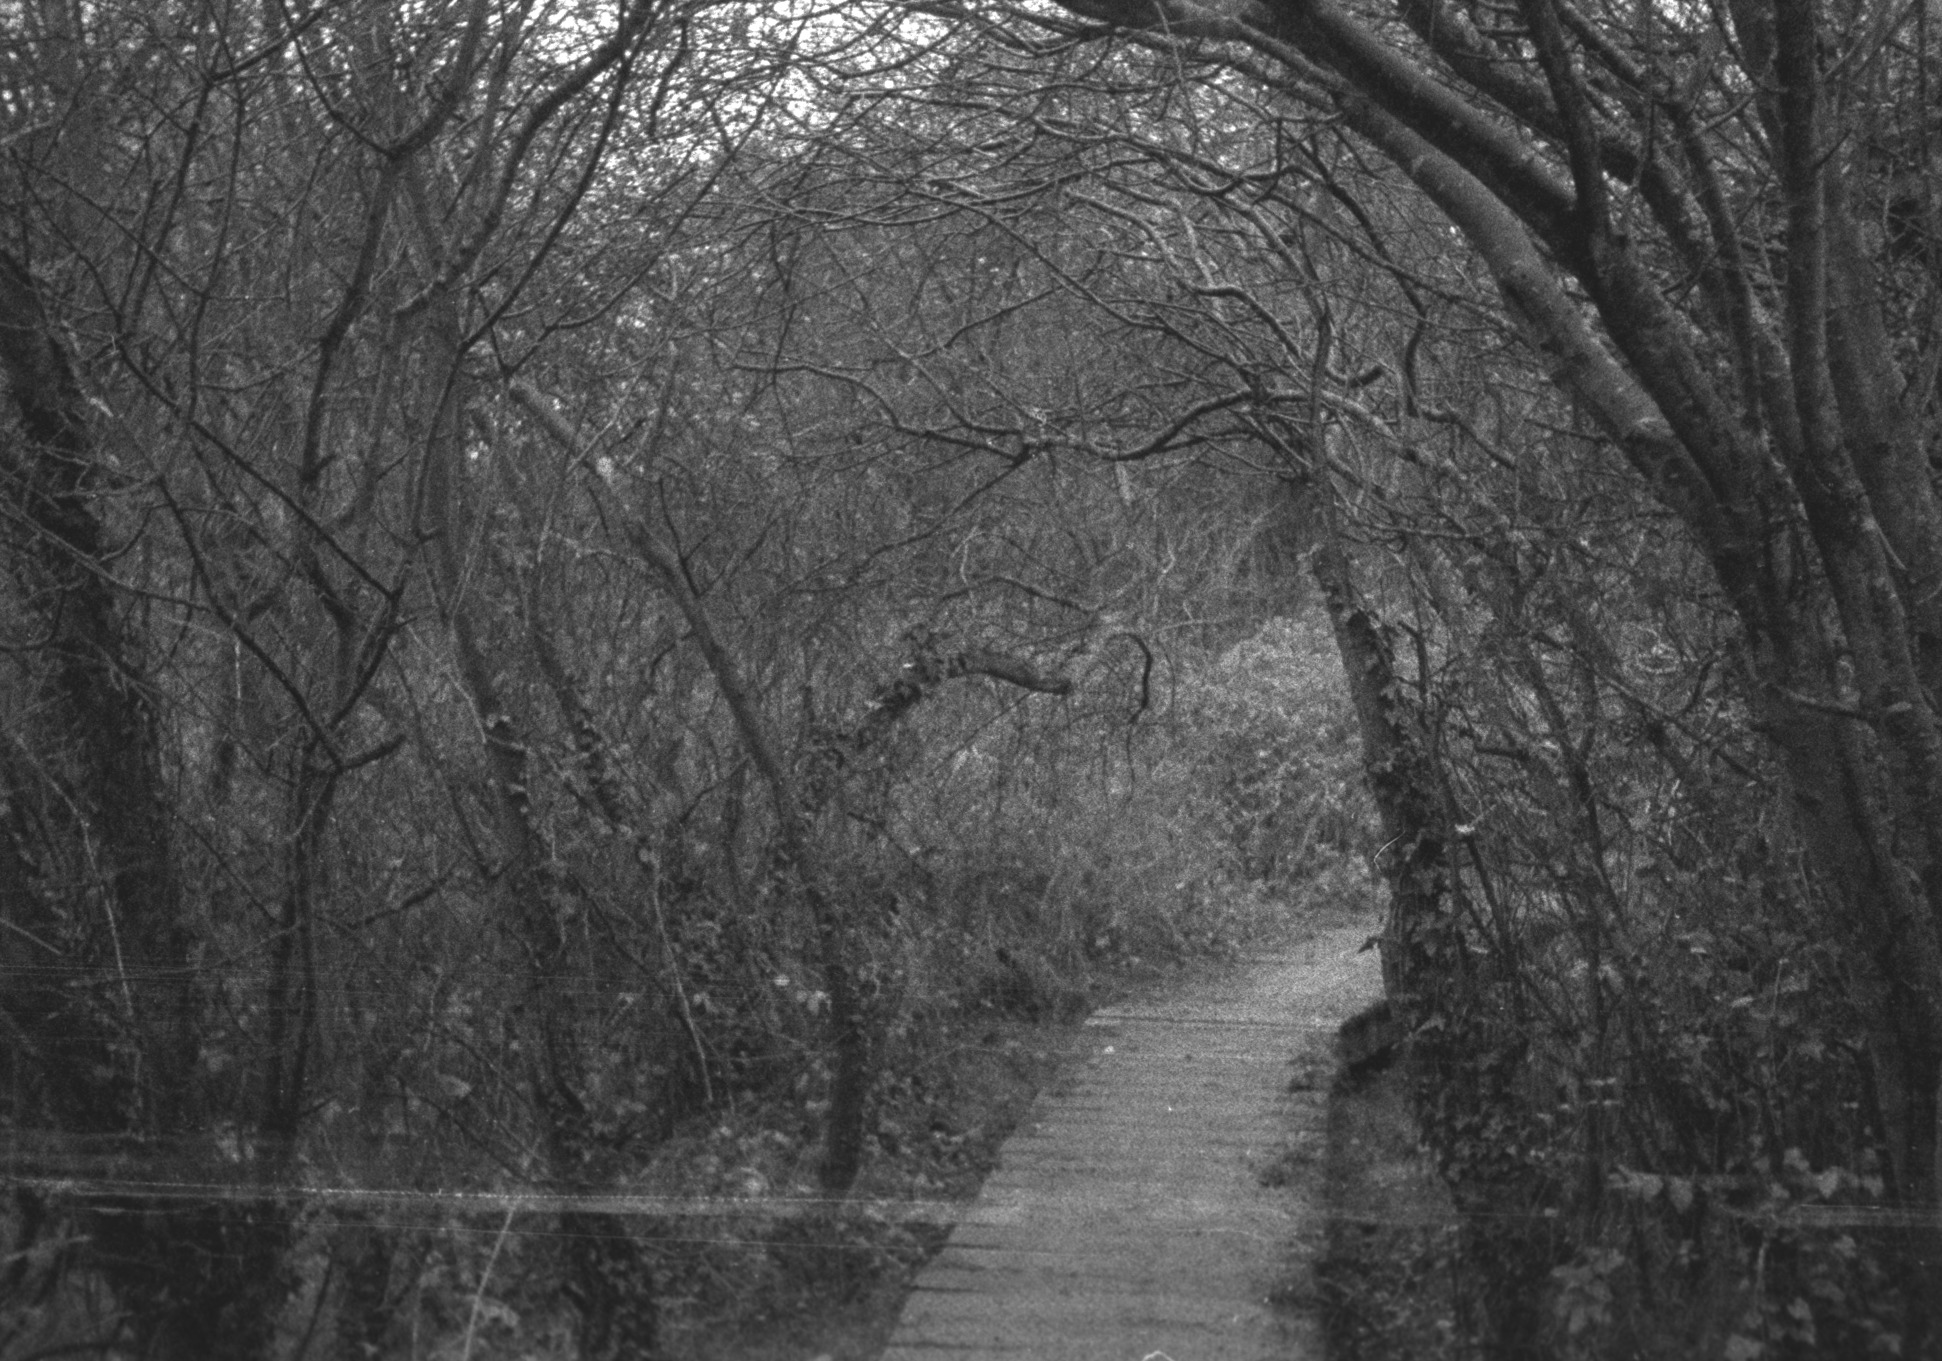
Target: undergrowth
[
  {"x": 1005, "y": 882},
  {"x": 1388, "y": 1277}
]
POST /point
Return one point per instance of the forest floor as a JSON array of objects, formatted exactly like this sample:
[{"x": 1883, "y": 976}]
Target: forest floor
[{"x": 1387, "y": 1292}]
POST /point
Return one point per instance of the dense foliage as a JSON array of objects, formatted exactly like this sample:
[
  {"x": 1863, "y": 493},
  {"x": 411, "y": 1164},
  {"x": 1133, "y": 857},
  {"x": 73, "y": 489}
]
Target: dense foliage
[
  {"x": 572, "y": 569},
  {"x": 490, "y": 709}
]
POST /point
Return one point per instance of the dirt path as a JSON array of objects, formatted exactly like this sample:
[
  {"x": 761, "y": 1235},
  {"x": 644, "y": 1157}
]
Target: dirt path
[{"x": 1150, "y": 1208}]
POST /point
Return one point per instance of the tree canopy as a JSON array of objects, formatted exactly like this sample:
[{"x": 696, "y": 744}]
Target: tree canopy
[{"x": 526, "y": 523}]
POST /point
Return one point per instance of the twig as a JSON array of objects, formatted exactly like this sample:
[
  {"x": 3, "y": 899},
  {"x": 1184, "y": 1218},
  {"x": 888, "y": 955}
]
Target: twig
[{"x": 472, "y": 1319}]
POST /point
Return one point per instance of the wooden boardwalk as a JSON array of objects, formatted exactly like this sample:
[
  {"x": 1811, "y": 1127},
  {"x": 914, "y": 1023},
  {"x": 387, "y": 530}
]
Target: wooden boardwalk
[{"x": 1150, "y": 1211}]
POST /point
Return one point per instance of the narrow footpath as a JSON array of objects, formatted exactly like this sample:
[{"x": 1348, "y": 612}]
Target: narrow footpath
[{"x": 1149, "y": 1210}]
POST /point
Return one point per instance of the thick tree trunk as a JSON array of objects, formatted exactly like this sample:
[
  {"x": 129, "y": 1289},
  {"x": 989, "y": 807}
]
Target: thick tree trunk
[
  {"x": 96, "y": 686},
  {"x": 197, "y": 1282},
  {"x": 840, "y": 930},
  {"x": 1466, "y": 1055}
]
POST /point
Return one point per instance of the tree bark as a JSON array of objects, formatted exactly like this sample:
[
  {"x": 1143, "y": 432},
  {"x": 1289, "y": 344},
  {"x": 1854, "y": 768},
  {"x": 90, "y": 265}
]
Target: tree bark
[
  {"x": 801, "y": 869},
  {"x": 195, "y": 1281},
  {"x": 609, "y": 1278},
  {"x": 1464, "y": 1056}
]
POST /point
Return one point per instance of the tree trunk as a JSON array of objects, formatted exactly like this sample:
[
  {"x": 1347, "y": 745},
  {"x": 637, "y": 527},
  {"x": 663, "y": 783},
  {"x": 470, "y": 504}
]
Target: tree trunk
[
  {"x": 1464, "y": 1051},
  {"x": 850, "y": 1018},
  {"x": 196, "y": 1281},
  {"x": 608, "y": 1277}
]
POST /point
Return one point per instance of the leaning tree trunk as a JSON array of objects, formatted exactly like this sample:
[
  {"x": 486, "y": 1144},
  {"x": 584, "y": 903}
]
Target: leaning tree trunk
[
  {"x": 841, "y": 932},
  {"x": 1465, "y": 1056},
  {"x": 610, "y": 1280},
  {"x": 837, "y": 940},
  {"x": 848, "y": 1010}
]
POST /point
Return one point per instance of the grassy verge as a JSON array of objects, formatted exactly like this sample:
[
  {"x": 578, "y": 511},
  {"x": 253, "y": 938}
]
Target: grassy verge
[{"x": 1386, "y": 1283}]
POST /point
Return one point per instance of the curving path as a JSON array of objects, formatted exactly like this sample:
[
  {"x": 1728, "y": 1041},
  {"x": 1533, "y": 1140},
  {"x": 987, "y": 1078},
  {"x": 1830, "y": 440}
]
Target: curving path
[{"x": 1148, "y": 1210}]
